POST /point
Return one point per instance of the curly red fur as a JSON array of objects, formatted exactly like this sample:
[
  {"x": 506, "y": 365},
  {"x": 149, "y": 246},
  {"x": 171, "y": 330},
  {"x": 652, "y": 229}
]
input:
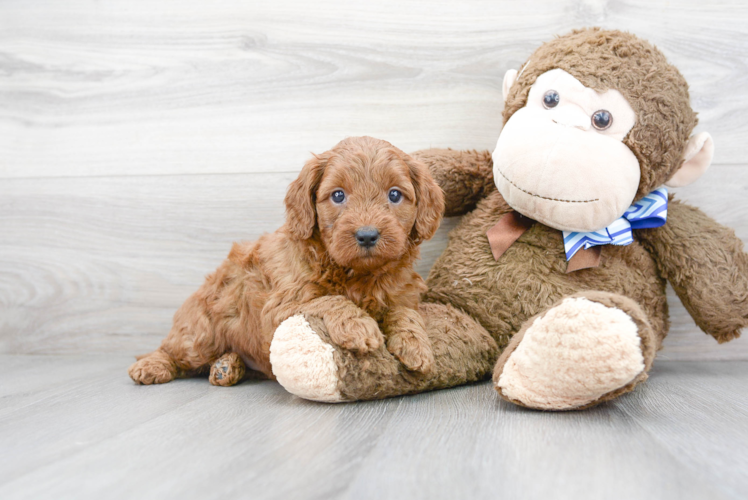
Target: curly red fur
[{"x": 314, "y": 263}]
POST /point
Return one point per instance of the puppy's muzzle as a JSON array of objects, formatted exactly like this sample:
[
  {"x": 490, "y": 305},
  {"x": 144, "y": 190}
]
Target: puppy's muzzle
[{"x": 367, "y": 237}]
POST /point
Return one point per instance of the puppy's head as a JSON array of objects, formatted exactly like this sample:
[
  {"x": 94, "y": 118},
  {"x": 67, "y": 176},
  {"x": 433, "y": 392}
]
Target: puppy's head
[{"x": 370, "y": 201}]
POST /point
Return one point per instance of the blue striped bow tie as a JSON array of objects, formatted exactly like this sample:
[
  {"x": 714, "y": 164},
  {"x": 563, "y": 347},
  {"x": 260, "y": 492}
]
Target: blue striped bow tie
[{"x": 650, "y": 211}]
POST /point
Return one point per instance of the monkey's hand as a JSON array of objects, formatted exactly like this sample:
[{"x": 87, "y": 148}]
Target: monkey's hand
[
  {"x": 465, "y": 176},
  {"x": 706, "y": 264}
]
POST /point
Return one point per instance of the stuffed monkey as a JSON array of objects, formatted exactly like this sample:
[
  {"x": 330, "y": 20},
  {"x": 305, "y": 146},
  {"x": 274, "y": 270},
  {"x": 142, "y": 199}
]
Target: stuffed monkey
[{"x": 559, "y": 266}]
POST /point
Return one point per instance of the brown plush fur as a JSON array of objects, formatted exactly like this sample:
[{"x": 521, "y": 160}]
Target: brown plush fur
[
  {"x": 314, "y": 264},
  {"x": 466, "y": 177},
  {"x": 706, "y": 265},
  {"x": 472, "y": 295},
  {"x": 531, "y": 276}
]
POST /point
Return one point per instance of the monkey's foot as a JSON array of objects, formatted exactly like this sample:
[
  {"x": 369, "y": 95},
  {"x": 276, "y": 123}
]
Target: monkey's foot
[
  {"x": 303, "y": 363},
  {"x": 587, "y": 349},
  {"x": 227, "y": 370}
]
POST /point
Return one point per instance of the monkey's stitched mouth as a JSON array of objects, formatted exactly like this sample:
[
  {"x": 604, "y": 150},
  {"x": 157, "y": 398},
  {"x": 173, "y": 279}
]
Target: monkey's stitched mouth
[{"x": 543, "y": 197}]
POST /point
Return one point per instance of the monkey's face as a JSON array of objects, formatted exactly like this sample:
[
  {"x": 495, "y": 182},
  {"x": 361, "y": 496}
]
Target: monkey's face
[{"x": 561, "y": 161}]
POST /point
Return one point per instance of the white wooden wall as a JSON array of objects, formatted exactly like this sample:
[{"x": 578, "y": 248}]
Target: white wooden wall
[{"x": 138, "y": 139}]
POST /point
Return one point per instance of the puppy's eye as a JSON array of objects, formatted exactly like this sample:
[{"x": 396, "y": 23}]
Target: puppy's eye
[
  {"x": 338, "y": 196},
  {"x": 602, "y": 119},
  {"x": 395, "y": 195},
  {"x": 551, "y": 99}
]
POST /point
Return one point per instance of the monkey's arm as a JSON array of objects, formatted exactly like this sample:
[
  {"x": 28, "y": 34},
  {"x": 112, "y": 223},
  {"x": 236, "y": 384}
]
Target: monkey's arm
[
  {"x": 464, "y": 176},
  {"x": 706, "y": 264}
]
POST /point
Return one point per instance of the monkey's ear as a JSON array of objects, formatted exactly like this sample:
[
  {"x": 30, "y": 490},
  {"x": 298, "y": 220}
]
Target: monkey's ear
[
  {"x": 301, "y": 215},
  {"x": 698, "y": 157},
  {"x": 509, "y": 77}
]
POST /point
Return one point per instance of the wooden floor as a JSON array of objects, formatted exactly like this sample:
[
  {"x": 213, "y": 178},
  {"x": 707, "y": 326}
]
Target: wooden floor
[{"x": 77, "y": 427}]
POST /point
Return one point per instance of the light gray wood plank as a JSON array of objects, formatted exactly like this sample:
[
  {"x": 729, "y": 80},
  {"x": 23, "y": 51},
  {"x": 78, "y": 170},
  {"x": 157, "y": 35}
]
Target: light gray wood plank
[
  {"x": 129, "y": 88},
  {"x": 108, "y": 260},
  {"x": 699, "y": 413},
  {"x": 100, "y": 264},
  {"x": 19, "y": 387},
  {"x": 681, "y": 435},
  {"x": 466, "y": 437},
  {"x": 174, "y": 439},
  {"x": 61, "y": 420}
]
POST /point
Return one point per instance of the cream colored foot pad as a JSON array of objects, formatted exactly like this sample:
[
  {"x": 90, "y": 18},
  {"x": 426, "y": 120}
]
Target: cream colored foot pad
[
  {"x": 303, "y": 363},
  {"x": 579, "y": 351}
]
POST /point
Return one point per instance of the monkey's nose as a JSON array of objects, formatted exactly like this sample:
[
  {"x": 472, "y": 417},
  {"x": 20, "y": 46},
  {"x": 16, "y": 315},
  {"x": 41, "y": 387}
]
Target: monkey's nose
[
  {"x": 571, "y": 118},
  {"x": 367, "y": 237}
]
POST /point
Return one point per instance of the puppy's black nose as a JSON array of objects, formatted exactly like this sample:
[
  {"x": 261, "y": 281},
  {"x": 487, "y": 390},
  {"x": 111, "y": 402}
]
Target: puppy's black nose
[{"x": 367, "y": 237}]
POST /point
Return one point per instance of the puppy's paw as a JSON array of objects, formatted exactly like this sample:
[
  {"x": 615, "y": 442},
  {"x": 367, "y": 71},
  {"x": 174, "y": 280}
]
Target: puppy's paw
[
  {"x": 414, "y": 353},
  {"x": 227, "y": 370},
  {"x": 357, "y": 334},
  {"x": 154, "y": 368}
]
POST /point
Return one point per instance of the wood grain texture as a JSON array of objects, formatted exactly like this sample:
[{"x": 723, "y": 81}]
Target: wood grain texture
[
  {"x": 681, "y": 435},
  {"x": 132, "y": 88},
  {"x": 100, "y": 264},
  {"x": 138, "y": 140}
]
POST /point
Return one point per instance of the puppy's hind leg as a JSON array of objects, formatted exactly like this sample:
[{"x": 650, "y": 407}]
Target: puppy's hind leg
[
  {"x": 228, "y": 370},
  {"x": 189, "y": 347}
]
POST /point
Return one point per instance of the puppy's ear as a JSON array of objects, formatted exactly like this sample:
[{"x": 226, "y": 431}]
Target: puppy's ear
[
  {"x": 429, "y": 201},
  {"x": 301, "y": 215}
]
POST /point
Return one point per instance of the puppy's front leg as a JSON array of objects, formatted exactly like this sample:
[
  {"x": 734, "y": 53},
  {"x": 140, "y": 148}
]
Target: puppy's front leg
[
  {"x": 347, "y": 324},
  {"x": 405, "y": 330}
]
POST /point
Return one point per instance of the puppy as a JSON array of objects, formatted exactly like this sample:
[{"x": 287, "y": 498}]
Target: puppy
[{"x": 354, "y": 219}]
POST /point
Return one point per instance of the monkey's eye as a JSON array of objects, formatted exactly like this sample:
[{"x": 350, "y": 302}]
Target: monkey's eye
[
  {"x": 602, "y": 119},
  {"x": 395, "y": 195},
  {"x": 338, "y": 196},
  {"x": 550, "y": 99}
]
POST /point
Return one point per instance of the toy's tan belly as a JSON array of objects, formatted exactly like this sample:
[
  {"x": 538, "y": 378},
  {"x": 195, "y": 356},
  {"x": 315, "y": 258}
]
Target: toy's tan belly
[{"x": 531, "y": 275}]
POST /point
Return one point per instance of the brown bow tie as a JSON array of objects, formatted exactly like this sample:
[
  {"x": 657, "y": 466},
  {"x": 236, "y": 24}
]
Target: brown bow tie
[{"x": 513, "y": 224}]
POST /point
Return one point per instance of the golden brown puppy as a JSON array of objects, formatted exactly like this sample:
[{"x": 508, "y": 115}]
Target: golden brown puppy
[{"x": 354, "y": 219}]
